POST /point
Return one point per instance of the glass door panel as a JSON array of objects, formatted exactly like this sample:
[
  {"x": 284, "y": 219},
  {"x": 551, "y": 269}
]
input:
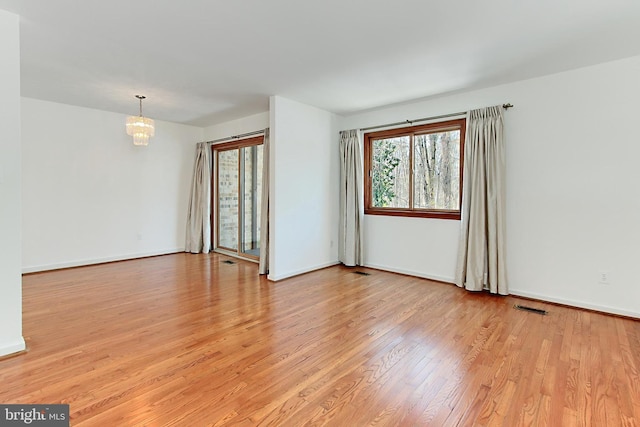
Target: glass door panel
[
  {"x": 228, "y": 199},
  {"x": 238, "y": 189},
  {"x": 252, "y": 192}
]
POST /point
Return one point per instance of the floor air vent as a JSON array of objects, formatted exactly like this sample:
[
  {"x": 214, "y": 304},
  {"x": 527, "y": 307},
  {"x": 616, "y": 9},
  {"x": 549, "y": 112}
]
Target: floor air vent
[
  {"x": 228, "y": 261},
  {"x": 362, "y": 273},
  {"x": 531, "y": 309}
]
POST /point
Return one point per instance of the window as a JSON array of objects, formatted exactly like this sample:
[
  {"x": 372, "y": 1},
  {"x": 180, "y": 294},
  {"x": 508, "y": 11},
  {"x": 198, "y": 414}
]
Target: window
[{"x": 415, "y": 171}]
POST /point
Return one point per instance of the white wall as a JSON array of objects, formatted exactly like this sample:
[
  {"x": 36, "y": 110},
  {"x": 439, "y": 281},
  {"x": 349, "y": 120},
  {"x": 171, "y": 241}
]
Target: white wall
[
  {"x": 304, "y": 200},
  {"x": 572, "y": 196},
  {"x": 90, "y": 195},
  {"x": 247, "y": 124},
  {"x": 10, "y": 281}
]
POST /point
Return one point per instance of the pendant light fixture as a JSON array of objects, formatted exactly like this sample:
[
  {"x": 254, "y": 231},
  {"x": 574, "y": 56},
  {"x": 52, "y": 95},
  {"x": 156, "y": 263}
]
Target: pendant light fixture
[{"x": 141, "y": 128}]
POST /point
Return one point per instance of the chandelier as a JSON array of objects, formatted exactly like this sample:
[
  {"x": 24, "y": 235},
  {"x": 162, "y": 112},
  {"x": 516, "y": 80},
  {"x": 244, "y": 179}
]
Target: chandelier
[{"x": 141, "y": 128}]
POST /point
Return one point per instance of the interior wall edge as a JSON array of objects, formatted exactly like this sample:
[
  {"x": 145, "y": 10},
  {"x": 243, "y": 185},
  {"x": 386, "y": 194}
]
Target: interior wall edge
[
  {"x": 94, "y": 261},
  {"x": 515, "y": 292},
  {"x": 445, "y": 279},
  {"x": 577, "y": 304},
  {"x": 302, "y": 271},
  {"x": 14, "y": 347}
]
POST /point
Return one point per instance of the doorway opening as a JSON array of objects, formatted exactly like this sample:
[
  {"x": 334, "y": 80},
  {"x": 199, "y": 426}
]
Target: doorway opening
[{"x": 237, "y": 184}]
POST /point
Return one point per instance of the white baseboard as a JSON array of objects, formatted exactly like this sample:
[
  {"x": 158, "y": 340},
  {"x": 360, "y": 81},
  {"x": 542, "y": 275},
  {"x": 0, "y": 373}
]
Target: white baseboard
[
  {"x": 12, "y": 347},
  {"x": 516, "y": 292},
  {"x": 411, "y": 273},
  {"x": 20, "y": 346},
  {"x": 299, "y": 272},
  {"x": 80, "y": 263},
  {"x": 572, "y": 303}
]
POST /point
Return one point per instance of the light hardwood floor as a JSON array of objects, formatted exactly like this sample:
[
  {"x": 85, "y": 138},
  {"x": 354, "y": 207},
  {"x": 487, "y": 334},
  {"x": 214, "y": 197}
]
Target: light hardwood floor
[{"x": 187, "y": 340}]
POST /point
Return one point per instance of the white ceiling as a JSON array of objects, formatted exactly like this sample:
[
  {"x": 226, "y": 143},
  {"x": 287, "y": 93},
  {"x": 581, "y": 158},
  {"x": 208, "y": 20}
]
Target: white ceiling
[{"x": 203, "y": 62}]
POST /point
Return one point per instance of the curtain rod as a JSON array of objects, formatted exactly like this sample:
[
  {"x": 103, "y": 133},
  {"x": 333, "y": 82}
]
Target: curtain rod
[
  {"x": 242, "y": 135},
  {"x": 410, "y": 122}
]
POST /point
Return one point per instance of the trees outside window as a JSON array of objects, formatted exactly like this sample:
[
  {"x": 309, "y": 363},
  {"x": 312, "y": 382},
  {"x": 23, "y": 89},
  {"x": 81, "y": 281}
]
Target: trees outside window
[{"x": 415, "y": 171}]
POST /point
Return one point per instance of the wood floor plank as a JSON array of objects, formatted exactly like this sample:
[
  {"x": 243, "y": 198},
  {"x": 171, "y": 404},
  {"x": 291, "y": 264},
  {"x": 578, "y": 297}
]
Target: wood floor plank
[{"x": 187, "y": 340}]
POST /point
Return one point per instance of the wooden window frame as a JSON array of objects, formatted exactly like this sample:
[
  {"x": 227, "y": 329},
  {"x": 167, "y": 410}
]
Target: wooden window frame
[{"x": 449, "y": 125}]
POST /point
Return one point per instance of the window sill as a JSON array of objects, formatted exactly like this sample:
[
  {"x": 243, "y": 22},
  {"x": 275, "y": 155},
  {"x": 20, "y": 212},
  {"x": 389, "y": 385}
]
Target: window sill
[{"x": 454, "y": 215}]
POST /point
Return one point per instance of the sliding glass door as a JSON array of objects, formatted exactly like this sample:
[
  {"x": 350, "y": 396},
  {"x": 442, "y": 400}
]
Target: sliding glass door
[{"x": 238, "y": 191}]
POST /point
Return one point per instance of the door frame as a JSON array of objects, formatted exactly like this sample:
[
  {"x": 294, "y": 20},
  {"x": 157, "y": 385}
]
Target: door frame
[{"x": 215, "y": 217}]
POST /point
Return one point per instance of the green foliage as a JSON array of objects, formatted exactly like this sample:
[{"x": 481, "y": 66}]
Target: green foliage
[
  {"x": 384, "y": 164},
  {"x": 424, "y": 170}
]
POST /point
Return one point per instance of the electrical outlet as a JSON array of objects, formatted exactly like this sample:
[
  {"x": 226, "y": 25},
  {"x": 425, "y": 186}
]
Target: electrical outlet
[{"x": 603, "y": 277}]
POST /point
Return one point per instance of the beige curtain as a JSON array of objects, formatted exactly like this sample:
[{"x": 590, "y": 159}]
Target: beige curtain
[
  {"x": 351, "y": 199},
  {"x": 481, "y": 253},
  {"x": 264, "y": 208},
  {"x": 198, "y": 237}
]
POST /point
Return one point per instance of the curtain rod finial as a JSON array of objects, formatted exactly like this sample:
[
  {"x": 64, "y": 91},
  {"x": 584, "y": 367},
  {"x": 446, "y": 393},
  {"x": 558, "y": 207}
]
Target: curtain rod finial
[{"x": 507, "y": 105}]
